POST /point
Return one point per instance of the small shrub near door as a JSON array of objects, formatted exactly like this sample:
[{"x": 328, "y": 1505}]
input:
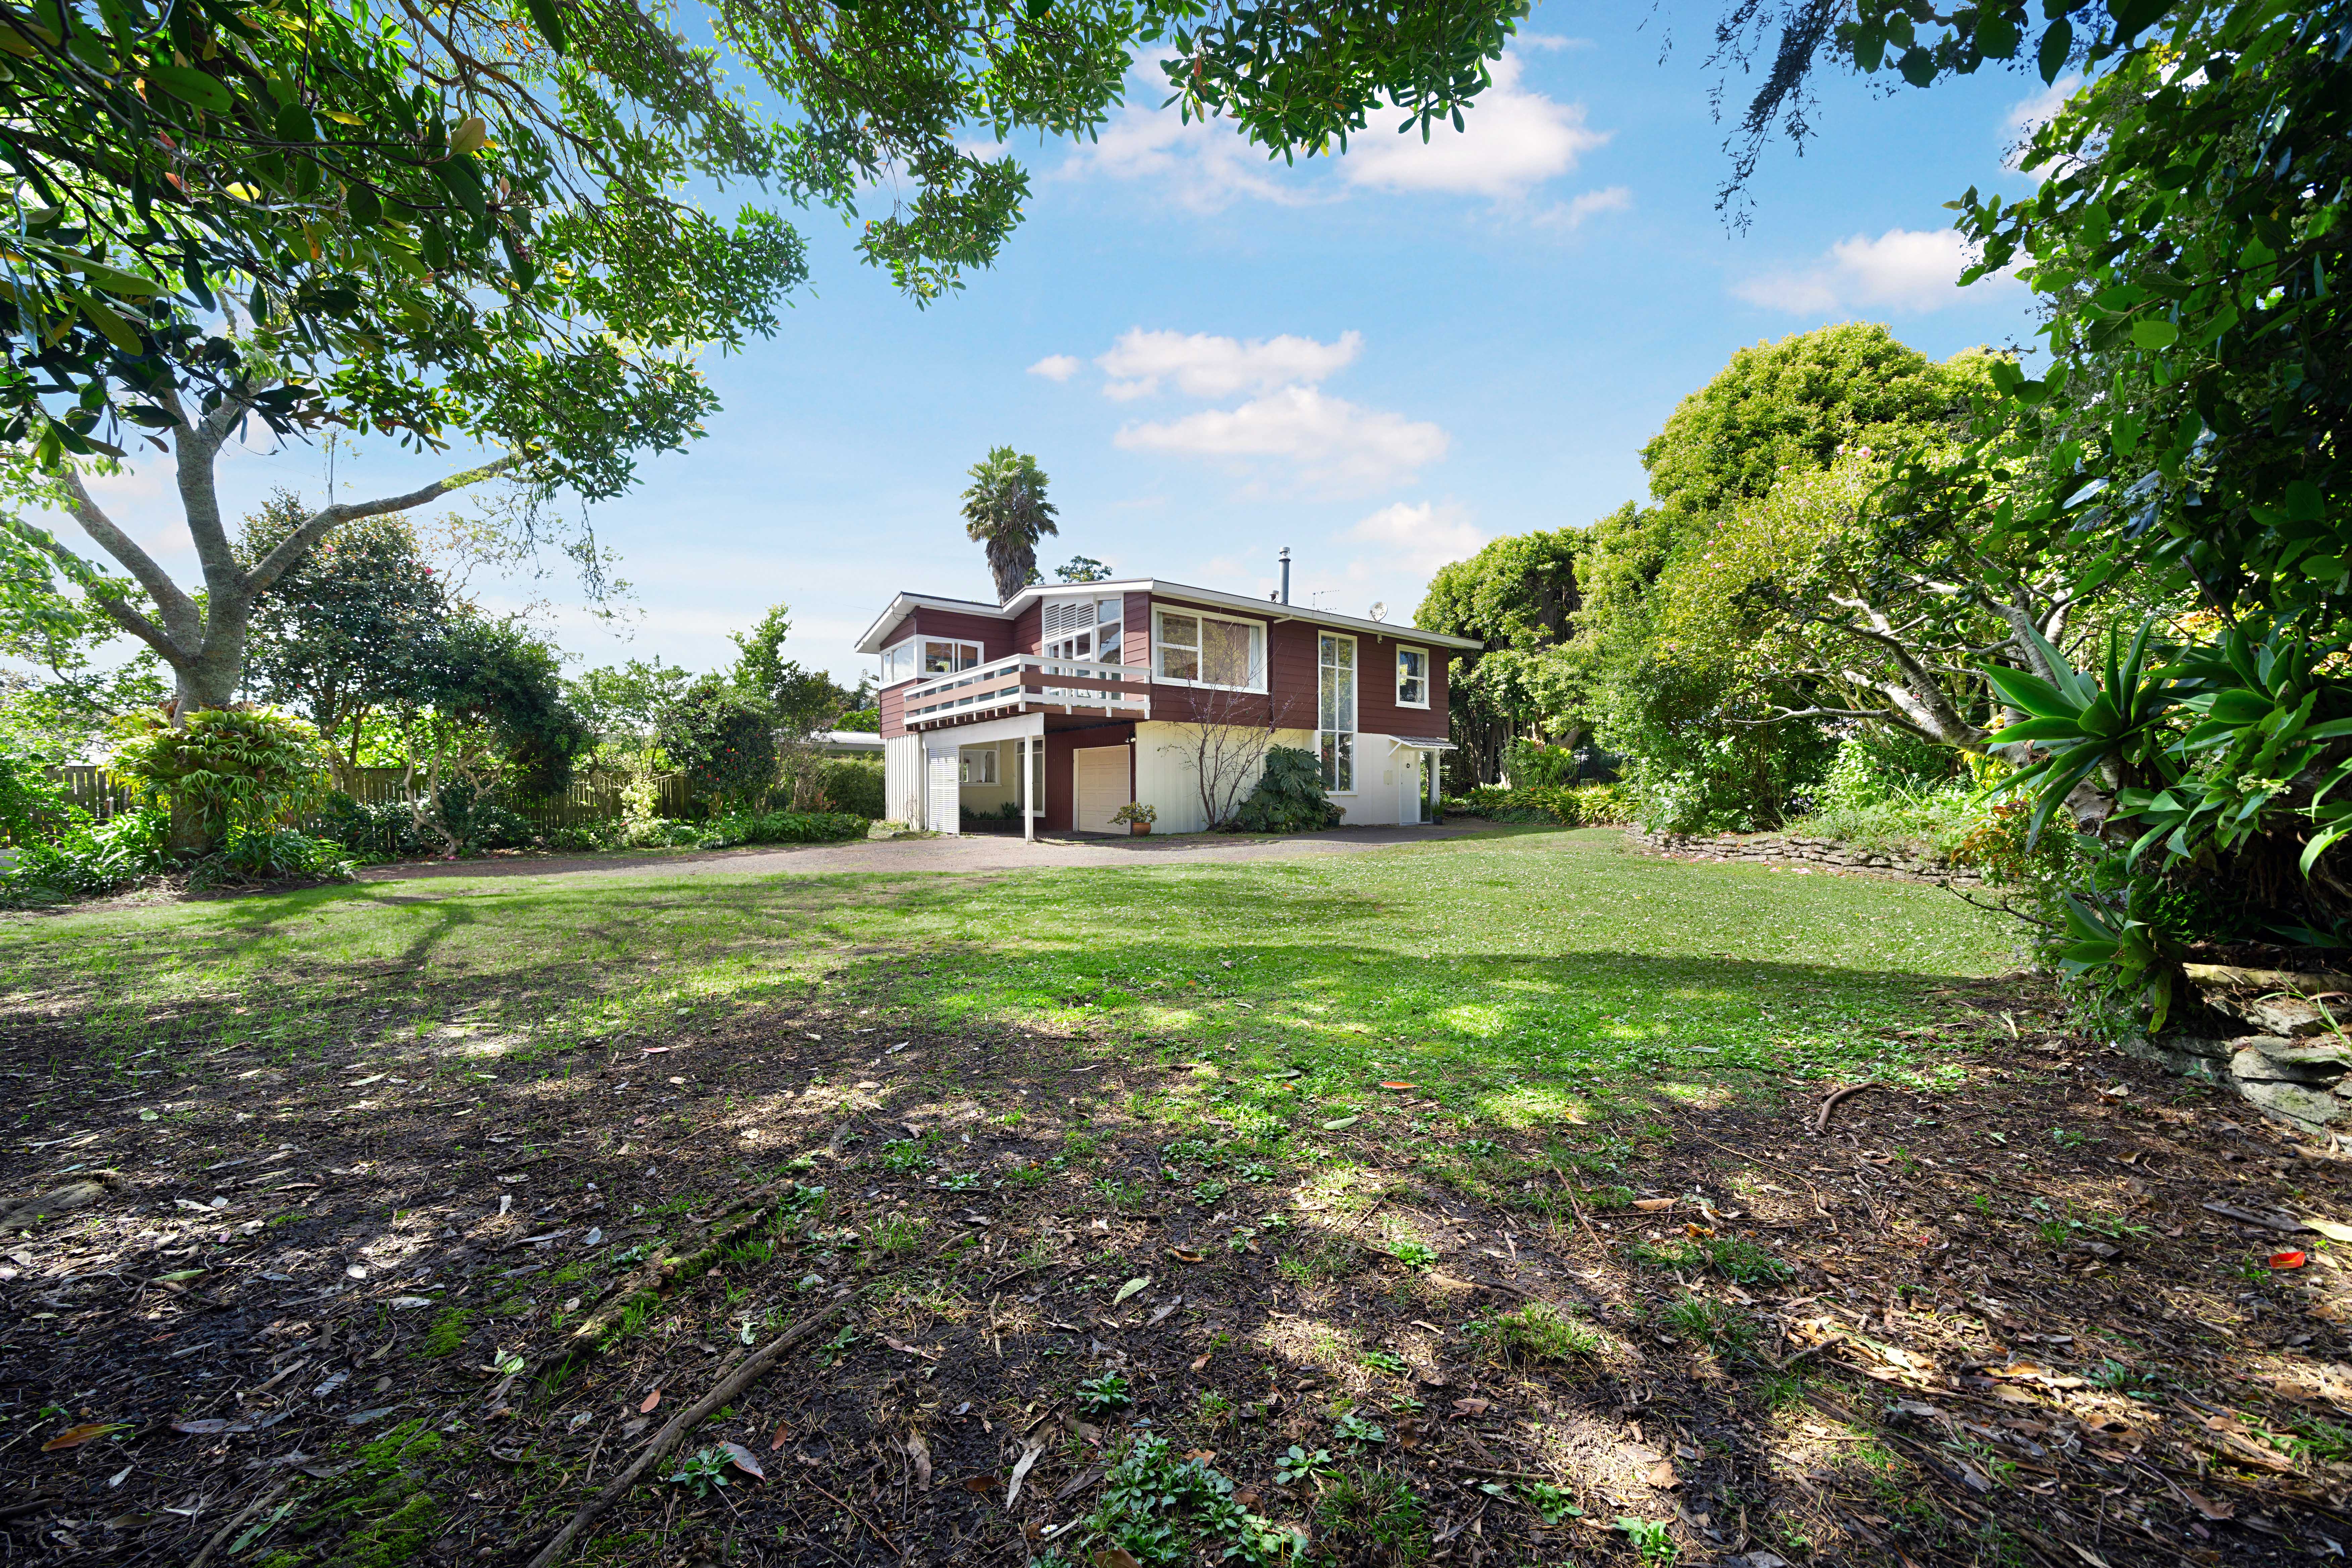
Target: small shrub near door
[{"x": 1289, "y": 796}]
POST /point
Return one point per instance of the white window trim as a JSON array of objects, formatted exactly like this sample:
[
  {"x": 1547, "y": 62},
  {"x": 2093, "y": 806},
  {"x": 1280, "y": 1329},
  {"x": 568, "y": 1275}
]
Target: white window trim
[
  {"x": 1265, "y": 648},
  {"x": 1356, "y": 669},
  {"x": 1402, "y": 649},
  {"x": 883, "y": 662},
  {"x": 979, "y": 656},
  {"x": 965, "y": 756}
]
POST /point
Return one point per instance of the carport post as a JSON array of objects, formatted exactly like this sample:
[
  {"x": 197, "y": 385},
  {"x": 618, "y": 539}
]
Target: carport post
[{"x": 1028, "y": 823}]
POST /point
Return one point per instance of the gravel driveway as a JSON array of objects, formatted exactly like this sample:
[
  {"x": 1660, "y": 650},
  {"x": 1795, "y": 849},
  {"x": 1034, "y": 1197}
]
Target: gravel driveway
[{"x": 972, "y": 852}]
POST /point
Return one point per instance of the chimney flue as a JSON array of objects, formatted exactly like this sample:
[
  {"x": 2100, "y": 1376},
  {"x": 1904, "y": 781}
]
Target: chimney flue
[{"x": 1284, "y": 558}]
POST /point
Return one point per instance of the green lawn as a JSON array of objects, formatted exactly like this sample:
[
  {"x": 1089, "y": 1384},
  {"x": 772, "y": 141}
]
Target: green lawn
[{"x": 1506, "y": 974}]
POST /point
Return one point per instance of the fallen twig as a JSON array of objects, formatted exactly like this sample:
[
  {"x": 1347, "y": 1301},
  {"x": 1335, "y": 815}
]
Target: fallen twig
[
  {"x": 264, "y": 1501},
  {"x": 679, "y": 1425},
  {"x": 1493, "y": 1470}
]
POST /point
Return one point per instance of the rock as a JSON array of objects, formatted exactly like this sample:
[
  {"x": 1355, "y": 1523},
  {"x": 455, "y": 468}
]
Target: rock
[
  {"x": 2315, "y": 1110},
  {"x": 2263, "y": 1058}
]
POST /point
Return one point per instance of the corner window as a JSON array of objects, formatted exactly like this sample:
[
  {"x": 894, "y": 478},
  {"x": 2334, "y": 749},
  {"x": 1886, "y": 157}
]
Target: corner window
[
  {"x": 1084, "y": 630},
  {"x": 979, "y": 764},
  {"x": 1413, "y": 677},
  {"x": 1335, "y": 661},
  {"x": 941, "y": 657},
  {"x": 1209, "y": 650}
]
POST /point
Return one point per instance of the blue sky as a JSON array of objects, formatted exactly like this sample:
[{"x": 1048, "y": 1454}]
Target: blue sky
[{"x": 1381, "y": 361}]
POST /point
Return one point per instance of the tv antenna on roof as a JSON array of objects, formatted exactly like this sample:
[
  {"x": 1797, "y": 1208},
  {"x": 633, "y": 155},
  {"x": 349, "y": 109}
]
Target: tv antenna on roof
[{"x": 1380, "y": 611}]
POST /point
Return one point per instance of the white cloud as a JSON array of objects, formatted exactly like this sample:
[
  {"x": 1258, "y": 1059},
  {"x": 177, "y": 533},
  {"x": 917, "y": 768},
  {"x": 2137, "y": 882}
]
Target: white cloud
[
  {"x": 1570, "y": 214},
  {"x": 1511, "y": 141},
  {"x": 1902, "y": 269},
  {"x": 1056, "y": 367},
  {"x": 1549, "y": 41},
  {"x": 1201, "y": 164},
  {"x": 1206, "y": 366},
  {"x": 1328, "y": 444},
  {"x": 2030, "y": 115},
  {"x": 1424, "y": 535}
]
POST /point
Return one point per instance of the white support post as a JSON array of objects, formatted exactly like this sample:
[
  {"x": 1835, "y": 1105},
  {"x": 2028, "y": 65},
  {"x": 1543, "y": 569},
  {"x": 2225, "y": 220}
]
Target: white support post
[{"x": 1028, "y": 822}]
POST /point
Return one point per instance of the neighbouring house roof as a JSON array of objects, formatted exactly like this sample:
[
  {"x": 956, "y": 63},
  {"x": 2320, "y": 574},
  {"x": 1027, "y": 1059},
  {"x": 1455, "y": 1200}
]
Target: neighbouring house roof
[
  {"x": 854, "y": 740},
  {"x": 905, "y": 605}
]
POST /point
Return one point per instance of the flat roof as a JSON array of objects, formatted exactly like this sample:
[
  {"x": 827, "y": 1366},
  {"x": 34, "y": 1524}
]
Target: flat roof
[{"x": 905, "y": 604}]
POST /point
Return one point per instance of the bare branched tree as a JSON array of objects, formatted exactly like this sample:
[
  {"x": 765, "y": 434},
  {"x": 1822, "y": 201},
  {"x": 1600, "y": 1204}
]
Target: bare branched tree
[{"x": 1225, "y": 743}]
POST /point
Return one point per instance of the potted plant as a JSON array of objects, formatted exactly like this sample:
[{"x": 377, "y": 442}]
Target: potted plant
[{"x": 1137, "y": 816}]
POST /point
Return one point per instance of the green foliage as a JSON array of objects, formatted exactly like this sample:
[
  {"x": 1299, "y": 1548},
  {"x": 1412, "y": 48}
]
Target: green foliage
[
  {"x": 31, "y": 807},
  {"x": 1795, "y": 404},
  {"x": 774, "y": 827},
  {"x": 723, "y": 740},
  {"x": 1006, "y": 510},
  {"x": 1289, "y": 796},
  {"x": 496, "y": 677},
  {"x": 1100, "y": 1396},
  {"x": 1166, "y": 1513},
  {"x": 1361, "y": 1508},
  {"x": 1573, "y": 806},
  {"x": 1715, "y": 1324},
  {"x": 377, "y": 1513},
  {"x": 1651, "y": 1539},
  {"x": 1882, "y": 765},
  {"x": 1298, "y": 1465},
  {"x": 853, "y": 784},
  {"x": 83, "y": 857},
  {"x": 227, "y": 768},
  {"x": 1353, "y": 1427},
  {"x": 447, "y": 1336},
  {"x": 800, "y": 701},
  {"x": 249, "y": 857},
  {"x": 702, "y": 1471},
  {"x": 347, "y": 628},
  {"x": 1517, "y": 593},
  {"x": 1736, "y": 1260},
  {"x": 1538, "y": 1332}
]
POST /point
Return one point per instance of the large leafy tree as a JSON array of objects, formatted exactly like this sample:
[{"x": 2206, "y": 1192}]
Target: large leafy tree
[
  {"x": 352, "y": 627},
  {"x": 444, "y": 220},
  {"x": 1006, "y": 512},
  {"x": 1518, "y": 594}
]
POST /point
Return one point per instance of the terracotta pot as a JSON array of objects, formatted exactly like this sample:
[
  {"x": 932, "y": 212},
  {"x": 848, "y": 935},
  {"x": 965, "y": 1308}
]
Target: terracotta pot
[{"x": 1139, "y": 828}]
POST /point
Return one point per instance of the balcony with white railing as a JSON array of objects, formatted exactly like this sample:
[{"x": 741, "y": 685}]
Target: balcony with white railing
[{"x": 1029, "y": 683}]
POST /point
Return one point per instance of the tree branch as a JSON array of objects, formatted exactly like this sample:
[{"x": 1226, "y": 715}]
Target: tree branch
[
  {"x": 178, "y": 611},
  {"x": 292, "y": 548}
]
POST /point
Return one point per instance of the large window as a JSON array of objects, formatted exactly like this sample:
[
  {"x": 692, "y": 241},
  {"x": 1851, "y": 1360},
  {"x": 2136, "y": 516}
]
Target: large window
[
  {"x": 1210, "y": 650},
  {"x": 979, "y": 764},
  {"x": 927, "y": 656},
  {"x": 1335, "y": 661},
  {"x": 1413, "y": 677},
  {"x": 1086, "y": 630}
]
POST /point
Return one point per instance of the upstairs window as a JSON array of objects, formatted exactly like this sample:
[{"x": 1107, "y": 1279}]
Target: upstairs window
[
  {"x": 1210, "y": 650},
  {"x": 1413, "y": 677},
  {"x": 1084, "y": 630},
  {"x": 927, "y": 657}
]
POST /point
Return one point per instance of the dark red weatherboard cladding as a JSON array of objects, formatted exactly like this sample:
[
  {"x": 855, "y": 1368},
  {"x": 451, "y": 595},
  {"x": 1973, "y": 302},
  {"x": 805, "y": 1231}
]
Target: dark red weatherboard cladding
[
  {"x": 1294, "y": 680},
  {"x": 1289, "y": 703}
]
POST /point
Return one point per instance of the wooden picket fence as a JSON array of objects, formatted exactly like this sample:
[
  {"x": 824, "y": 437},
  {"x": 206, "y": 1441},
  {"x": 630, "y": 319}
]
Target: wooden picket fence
[{"x": 593, "y": 795}]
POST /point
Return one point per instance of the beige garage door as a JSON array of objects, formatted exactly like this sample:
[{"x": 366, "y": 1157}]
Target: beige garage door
[{"x": 1102, "y": 786}]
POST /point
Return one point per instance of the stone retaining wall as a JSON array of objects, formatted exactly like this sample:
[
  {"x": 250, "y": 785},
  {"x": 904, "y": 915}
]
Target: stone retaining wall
[{"x": 1787, "y": 849}]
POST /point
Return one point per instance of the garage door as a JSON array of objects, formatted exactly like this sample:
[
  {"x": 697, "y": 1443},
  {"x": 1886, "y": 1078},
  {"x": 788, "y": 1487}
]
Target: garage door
[{"x": 1102, "y": 786}]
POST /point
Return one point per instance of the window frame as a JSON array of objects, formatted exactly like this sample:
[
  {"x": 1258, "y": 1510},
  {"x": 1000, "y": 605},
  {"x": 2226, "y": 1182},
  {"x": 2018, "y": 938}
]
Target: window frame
[
  {"x": 1401, "y": 700},
  {"x": 1261, "y": 645},
  {"x": 988, "y": 749},
  {"x": 1355, "y": 715}
]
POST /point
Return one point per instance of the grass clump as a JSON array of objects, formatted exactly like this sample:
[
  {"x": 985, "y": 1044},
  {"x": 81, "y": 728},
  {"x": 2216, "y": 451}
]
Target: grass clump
[
  {"x": 1366, "y": 1514},
  {"x": 1713, "y": 1323},
  {"x": 1739, "y": 1260},
  {"x": 1539, "y": 1331},
  {"x": 447, "y": 1336},
  {"x": 1169, "y": 1513}
]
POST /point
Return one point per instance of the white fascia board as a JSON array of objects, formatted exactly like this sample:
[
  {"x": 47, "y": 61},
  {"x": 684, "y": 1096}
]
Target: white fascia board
[
  {"x": 1275, "y": 610},
  {"x": 906, "y": 604}
]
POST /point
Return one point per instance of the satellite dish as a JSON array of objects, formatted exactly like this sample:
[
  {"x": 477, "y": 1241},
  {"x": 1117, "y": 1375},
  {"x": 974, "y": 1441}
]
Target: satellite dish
[{"x": 1379, "y": 609}]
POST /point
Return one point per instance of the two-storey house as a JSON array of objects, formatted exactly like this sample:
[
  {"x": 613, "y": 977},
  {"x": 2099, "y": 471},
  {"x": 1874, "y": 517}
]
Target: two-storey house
[{"x": 1070, "y": 701}]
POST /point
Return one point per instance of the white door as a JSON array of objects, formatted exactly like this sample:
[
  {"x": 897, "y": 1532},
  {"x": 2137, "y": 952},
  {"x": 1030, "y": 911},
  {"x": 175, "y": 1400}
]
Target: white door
[
  {"x": 1102, "y": 786},
  {"x": 943, "y": 802}
]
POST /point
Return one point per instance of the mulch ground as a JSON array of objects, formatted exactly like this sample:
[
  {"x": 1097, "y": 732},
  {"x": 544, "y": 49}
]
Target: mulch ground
[{"x": 327, "y": 1311}]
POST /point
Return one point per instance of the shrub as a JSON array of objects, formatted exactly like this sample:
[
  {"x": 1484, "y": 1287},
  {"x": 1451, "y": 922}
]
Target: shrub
[
  {"x": 1162, "y": 1513},
  {"x": 724, "y": 740},
  {"x": 808, "y": 827},
  {"x": 274, "y": 856},
  {"x": 86, "y": 857},
  {"x": 580, "y": 837},
  {"x": 1289, "y": 796},
  {"x": 224, "y": 768},
  {"x": 853, "y": 784},
  {"x": 1574, "y": 806},
  {"x": 1531, "y": 764},
  {"x": 378, "y": 831},
  {"x": 31, "y": 807}
]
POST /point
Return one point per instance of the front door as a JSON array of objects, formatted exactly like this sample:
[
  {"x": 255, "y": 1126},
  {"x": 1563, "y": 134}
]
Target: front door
[
  {"x": 1101, "y": 786},
  {"x": 943, "y": 798}
]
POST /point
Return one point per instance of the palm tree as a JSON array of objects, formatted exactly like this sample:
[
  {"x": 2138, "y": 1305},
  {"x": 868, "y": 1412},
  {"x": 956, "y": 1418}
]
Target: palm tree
[{"x": 1006, "y": 510}]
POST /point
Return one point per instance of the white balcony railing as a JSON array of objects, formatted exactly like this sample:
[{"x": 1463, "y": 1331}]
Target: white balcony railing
[{"x": 1025, "y": 682}]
